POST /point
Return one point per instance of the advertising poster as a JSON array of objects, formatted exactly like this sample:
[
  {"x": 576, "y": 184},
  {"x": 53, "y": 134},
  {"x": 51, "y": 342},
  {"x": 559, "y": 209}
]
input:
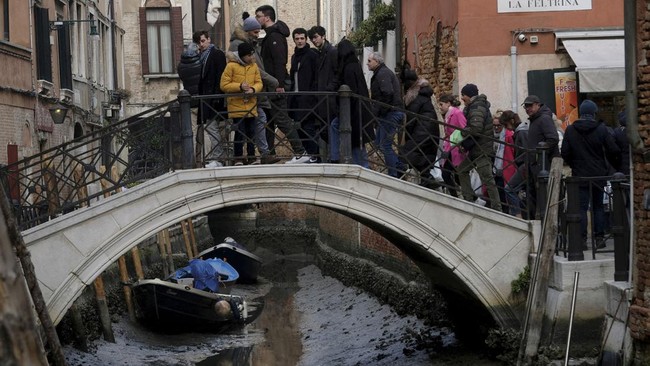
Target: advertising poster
[{"x": 566, "y": 98}]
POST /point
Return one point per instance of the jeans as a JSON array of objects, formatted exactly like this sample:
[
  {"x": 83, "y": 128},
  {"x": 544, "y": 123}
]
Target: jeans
[
  {"x": 516, "y": 184},
  {"x": 260, "y": 132},
  {"x": 216, "y": 149},
  {"x": 359, "y": 154},
  {"x": 595, "y": 195},
  {"x": 386, "y": 129}
]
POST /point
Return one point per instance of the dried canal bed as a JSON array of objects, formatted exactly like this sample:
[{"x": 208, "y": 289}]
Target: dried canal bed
[{"x": 308, "y": 319}]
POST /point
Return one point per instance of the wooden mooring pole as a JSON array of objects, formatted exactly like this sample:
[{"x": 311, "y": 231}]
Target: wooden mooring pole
[
  {"x": 19, "y": 336},
  {"x": 102, "y": 307},
  {"x": 537, "y": 293}
]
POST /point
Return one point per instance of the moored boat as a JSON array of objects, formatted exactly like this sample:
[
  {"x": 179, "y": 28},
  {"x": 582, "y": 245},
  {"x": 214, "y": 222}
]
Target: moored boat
[
  {"x": 174, "y": 307},
  {"x": 246, "y": 263}
]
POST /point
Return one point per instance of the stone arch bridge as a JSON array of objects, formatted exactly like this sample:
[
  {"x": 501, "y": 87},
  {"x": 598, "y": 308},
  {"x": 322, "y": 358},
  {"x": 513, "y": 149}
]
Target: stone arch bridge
[{"x": 461, "y": 246}]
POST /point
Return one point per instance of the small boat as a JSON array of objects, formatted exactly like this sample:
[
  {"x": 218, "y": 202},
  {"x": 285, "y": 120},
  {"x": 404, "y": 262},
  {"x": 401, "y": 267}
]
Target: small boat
[
  {"x": 173, "y": 307},
  {"x": 212, "y": 274},
  {"x": 246, "y": 263}
]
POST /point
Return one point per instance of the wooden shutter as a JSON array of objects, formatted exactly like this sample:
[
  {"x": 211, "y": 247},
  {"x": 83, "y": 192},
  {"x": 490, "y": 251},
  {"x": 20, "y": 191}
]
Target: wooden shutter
[
  {"x": 65, "y": 58},
  {"x": 144, "y": 49},
  {"x": 43, "y": 48}
]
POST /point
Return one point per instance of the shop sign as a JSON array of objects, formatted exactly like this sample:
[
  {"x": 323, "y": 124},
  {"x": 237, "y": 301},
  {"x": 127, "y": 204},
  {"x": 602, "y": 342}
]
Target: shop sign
[
  {"x": 522, "y": 6},
  {"x": 566, "y": 97}
]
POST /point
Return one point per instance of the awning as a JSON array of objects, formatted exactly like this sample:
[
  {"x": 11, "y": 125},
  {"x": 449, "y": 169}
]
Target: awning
[{"x": 600, "y": 63}]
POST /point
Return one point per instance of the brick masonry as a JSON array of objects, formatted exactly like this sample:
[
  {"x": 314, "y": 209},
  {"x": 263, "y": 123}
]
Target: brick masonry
[{"x": 639, "y": 317}]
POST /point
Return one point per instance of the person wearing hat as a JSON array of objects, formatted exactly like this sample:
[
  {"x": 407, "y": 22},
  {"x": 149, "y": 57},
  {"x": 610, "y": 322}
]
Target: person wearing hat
[
  {"x": 477, "y": 143},
  {"x": 588, "y": 148},
  {"x": 213, "y": 62},
  {"x": 242, "y": 76},
  {"x": 248, "y": 32},
  {"x": 541, "y": 128}
]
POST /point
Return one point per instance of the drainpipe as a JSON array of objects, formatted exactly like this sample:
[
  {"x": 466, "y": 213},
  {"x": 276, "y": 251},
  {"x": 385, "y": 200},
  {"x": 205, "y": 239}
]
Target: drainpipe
[
  {"x": 631, "y": 101},
  {"x": 513, "y": 71},
  {"x": 398, "y": 34}
]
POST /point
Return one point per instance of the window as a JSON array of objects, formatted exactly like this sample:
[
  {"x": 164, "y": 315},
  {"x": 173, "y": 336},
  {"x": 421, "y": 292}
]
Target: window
[
  {"x": 161, "y": 39},
  {"x": 358, "y": 13},
  {"x": 43, "y": 48},
  {"x": 4, "y": 19}
]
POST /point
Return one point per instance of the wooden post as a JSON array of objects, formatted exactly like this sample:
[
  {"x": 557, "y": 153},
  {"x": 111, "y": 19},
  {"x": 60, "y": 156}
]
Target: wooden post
[
  {"x": 124, "y": 277},
  {"x": 186, "y": 239},
  {"x": 538, "y": 290},
  {"x": 20, "y": 339},
  {"x": 163, "y": 253},
  {"x": 78, "y": 328},
  {"x": 51, "y": 186},
  {"x": 190, "y": 225},
  {"x": 82, "y": 194},
  {"x": 103, "y": 182},
  {"x": 102, "y": 307},
  {"x": 170, "y": 252},
  {"x": 137, "y": 262}
]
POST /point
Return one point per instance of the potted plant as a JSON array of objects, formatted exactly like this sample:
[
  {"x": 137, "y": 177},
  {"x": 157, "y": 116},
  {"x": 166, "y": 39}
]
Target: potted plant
[{"x": 373, "y": 29}]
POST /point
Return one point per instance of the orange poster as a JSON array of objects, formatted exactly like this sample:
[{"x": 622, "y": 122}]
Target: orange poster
[{"x": 566, "y": 98}]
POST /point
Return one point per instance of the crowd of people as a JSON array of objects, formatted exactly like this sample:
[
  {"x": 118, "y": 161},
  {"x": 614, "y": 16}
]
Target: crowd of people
[{"x": 452, "y": 151}]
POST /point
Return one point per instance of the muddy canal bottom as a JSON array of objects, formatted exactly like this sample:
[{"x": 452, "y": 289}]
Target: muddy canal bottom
[{"x": 307, "y": 319}]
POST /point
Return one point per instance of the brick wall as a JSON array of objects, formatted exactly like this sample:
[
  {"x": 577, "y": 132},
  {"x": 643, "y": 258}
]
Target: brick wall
[
  {"x": 442, "y": 75},
  {"x": 639, "y": 321}
]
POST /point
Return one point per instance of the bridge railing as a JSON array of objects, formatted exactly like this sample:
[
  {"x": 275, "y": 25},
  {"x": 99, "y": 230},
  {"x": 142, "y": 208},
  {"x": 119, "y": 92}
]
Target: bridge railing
[
  {"x": 595, "y": 216},
  {"x": 76, "y": 173}
]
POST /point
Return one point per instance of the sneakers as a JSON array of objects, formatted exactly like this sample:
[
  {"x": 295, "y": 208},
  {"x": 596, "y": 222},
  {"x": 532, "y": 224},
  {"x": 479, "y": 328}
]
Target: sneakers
[
  {"x": 479, "y": 201},
  {"x": 299, "y": 159},
  {"x": 600, "y": 243},
  {"x": 313, "y": 160},
  {"x": 214, "y": 164},
  {"x": 269, "y": 159},
  {"x": 239, "y": 163}
]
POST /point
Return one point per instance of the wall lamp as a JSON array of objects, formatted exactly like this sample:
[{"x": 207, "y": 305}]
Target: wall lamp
[
  {"x": 58, "y": 112},
  {"x": 55, "y": 25}
]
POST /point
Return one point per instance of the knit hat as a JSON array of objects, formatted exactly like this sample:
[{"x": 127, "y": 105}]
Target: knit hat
[
  {"x": 469, "y": 90},
  {"x": 245, "y": 49},
  {"x": 588, "y": 109},
  {"x": 251, "y": 24}
]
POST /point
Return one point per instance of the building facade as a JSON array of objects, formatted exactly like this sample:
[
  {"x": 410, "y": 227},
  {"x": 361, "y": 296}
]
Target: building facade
[
  {"x": 62, "y": 55},
  {"x": 561, "y": 51}
]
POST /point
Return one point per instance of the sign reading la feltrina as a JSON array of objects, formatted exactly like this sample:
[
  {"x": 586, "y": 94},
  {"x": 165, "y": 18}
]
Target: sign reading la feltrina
[{"x": 522, "y": 6}]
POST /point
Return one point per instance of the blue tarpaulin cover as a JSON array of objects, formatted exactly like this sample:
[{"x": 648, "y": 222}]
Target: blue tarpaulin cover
[{"x": 206, "y": 273}]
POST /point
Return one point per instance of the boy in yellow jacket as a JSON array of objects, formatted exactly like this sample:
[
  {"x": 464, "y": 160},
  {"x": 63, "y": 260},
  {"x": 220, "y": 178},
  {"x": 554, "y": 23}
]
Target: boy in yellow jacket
[{"x": 242, "y": 76}]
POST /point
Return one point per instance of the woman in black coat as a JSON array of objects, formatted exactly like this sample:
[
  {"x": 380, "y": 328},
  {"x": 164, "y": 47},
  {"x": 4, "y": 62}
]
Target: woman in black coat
[
  {"x": 351, "y": 74},
  {"x": 422, "y": 133}
]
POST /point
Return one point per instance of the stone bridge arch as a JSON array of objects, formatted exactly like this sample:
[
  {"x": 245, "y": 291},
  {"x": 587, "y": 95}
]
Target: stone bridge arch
[{"x": 485, "y": 250}]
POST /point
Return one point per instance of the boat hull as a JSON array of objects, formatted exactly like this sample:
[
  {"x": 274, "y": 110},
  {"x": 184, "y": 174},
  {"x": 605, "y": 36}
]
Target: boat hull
[
  {"x": 246, "y": 263},
  {"x": 175, "y": 307}
]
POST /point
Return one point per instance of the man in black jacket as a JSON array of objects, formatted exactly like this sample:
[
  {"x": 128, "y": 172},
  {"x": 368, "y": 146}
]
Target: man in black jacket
[
  {"x": 304, "y": 62},
  {"x": 588, "y": 147},
  {"x": 274, "y": 56},
  {"x": 326, "y": 78},
  {"x": 540, "y": 129},
  {"x": 213, "y": 62}
]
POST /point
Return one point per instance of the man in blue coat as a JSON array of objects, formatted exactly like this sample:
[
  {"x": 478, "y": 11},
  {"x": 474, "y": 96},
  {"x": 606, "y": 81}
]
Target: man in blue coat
[{"x": 587, "y": 148}]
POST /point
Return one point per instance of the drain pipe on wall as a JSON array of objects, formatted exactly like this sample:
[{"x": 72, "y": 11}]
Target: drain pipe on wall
[{"x": 513, "y": 72}]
